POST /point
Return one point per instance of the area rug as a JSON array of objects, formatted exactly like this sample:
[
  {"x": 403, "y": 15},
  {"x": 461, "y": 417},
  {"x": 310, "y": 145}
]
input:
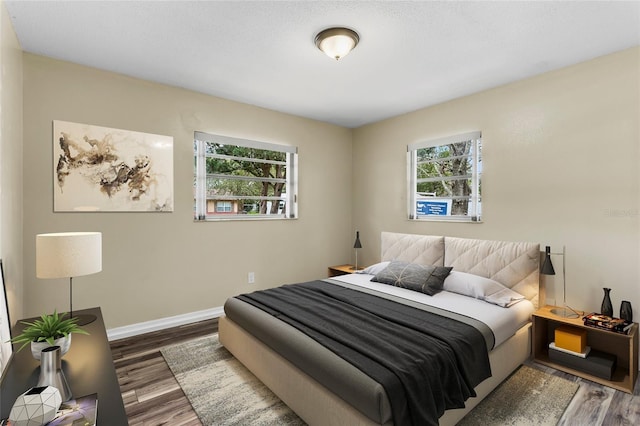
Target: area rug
[
  {"x": 528, "y": 397},
  {"x": 223, "y": 392}
]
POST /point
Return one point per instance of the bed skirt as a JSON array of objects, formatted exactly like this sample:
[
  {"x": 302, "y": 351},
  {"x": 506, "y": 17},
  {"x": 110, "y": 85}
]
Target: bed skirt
[{"x": 317, "y": 405}]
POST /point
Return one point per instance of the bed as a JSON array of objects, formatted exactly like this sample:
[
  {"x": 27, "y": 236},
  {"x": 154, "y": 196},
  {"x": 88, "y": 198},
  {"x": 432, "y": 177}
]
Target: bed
[{"x": 325, "y": 389}]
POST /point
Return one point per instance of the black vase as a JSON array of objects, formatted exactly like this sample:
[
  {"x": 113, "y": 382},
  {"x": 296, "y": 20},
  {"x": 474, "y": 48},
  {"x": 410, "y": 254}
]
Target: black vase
[
  {"x": 606, "y": 308},
  {"x": 626, "y": 313}
]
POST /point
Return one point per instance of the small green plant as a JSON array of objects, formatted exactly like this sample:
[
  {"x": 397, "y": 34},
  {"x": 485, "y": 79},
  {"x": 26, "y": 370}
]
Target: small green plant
[{"x": 47, "y": 329}]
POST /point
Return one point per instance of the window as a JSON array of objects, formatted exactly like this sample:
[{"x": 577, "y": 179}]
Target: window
[
  {"x": 444, "y": 178},
  {"x": 223, "y": 206},
  {"x": 244, "y": 179}
]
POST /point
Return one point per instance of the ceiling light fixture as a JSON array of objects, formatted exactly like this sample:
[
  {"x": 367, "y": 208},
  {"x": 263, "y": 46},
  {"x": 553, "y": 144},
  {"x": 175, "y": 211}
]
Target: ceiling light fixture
[{"x": 336, "y": 43}]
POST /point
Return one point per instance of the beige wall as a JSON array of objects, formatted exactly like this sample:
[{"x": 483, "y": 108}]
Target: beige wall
[
  {"x": 157, "y": 265},
  {"x": 11, "y": 164},
  {"x": 561, "y": 160},
  {"x": 560, "y": 168}
]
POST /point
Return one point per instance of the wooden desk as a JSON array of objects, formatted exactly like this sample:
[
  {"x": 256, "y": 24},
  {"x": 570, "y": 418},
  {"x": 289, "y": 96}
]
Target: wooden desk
[{"x": 88, "y": 367}]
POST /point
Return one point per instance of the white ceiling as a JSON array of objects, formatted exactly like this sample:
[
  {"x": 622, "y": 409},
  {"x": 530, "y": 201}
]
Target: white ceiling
[{"x": 411, "y": 54}]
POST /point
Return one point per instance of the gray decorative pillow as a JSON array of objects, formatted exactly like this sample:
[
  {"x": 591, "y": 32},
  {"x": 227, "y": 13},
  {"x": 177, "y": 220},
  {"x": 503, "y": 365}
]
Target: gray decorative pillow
[{"x": 423, "y": 278}]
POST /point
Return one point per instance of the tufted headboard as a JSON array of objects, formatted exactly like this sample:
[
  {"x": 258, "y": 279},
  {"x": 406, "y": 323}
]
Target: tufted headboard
[{"x": 513, "y": 264}]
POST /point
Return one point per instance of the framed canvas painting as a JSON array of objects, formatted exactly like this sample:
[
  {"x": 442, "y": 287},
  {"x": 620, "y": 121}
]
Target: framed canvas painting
[{"x": 101, "y": 169}]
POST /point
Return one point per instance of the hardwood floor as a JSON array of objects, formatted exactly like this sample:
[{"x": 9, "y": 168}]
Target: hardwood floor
[
  {"x": 594, "y": 404},
  {"x": 152, "y": 396}
]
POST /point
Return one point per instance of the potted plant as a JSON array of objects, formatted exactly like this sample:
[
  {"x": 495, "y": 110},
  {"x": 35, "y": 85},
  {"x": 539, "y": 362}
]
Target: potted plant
[{"x": 48, "y": 330}]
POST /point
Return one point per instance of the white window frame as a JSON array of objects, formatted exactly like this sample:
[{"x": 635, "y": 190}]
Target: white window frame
[
  {"x": 475, "y": 201},
  {"x": 290, "y": 195}
]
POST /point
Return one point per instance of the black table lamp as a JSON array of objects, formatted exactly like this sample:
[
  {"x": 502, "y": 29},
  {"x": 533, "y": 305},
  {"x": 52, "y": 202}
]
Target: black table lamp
[
  {"x": 357, "y": 245},
  {"x": 547, "y": 269}
]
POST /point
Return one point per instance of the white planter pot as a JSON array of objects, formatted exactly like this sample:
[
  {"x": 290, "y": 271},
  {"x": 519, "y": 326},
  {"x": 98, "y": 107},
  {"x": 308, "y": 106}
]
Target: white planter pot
[{"x": 63, "y": 342}]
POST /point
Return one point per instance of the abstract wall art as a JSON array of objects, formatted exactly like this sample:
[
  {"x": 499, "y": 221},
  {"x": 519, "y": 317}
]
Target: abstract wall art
[{"x": 101, "y": 169}]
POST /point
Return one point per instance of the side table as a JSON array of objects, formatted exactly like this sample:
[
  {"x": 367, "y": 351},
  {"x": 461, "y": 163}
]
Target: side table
[
  {"x": 623, "y": 346},
  {"x": 334, "y": 271},
  {"x": 88, "y": 367}
]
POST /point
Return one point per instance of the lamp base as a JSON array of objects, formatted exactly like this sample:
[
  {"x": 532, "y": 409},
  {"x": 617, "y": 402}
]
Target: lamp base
[
  {"x": 85, "y": 319},
  {"x": 565, "y": 312}
]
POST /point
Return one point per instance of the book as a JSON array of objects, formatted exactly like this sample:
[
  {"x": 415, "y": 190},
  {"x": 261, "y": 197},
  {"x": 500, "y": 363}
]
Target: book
[
  {"x": 604, "y": 322},
  {"x": 584, "y": 354},
  {"x": 81, "y": 411}
]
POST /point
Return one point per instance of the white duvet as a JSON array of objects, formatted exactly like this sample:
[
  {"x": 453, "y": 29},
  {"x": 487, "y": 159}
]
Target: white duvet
[{"x": 504, "y": 322}]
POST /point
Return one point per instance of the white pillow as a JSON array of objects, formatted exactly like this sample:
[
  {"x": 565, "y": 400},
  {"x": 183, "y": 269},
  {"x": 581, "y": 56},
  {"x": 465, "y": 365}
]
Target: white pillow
[
  {"x": 374, "y": 269},
  {"x": 481, "y": 288}
]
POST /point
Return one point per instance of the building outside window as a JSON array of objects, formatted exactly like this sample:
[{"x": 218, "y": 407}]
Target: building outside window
[
  {"x": 223, "y": 207},
  {"x": 243, "y": 179},
  {"x": 444, "y": 178}
]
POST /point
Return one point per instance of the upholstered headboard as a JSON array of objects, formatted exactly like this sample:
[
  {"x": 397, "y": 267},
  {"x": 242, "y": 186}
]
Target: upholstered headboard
[{"x": 513, "y": 264}]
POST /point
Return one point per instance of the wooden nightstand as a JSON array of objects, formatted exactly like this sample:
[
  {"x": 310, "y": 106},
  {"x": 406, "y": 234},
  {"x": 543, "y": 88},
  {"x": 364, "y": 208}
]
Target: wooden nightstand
[
  {"x": 623, "y": 346},
  {"x": 334, "y": 271}
]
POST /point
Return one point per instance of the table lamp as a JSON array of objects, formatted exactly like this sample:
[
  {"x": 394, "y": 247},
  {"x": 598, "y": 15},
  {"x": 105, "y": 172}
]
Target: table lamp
[
  {"x": 357, "y": 245},
  {"x": 69, "y": 254},
  {"x": 547, "y": 269}
]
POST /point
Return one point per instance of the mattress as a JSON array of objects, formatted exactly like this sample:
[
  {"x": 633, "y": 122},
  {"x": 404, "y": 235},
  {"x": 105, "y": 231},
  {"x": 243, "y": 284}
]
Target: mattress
[
  {"x": 503, "y": 322},
  {"x": 338, "y": 375}
]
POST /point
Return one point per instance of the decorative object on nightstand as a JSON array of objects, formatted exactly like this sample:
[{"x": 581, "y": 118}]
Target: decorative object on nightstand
[
  {"x": 604, "y": 322},
  {"x": 571, "y": 338},
  {"x": 37, "y": 406},
  {"x": 48, "y": 330},
  {"x": 547, "y": 269},
  {"x": 626, "y": 313},
  {"x": 69, "y": 254},
  {"x": 606, "y": 308},
  {"x": 51, "y": 372},
  {"x": 357, "y": 245}
]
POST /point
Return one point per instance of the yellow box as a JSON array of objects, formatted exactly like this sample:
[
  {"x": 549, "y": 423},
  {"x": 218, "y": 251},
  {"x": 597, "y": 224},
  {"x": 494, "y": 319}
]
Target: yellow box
[{"x": 571, "y": 338}]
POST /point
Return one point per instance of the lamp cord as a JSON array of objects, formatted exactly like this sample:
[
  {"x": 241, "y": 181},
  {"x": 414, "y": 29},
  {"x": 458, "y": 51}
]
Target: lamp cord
[{"x": 70, "y": 297}]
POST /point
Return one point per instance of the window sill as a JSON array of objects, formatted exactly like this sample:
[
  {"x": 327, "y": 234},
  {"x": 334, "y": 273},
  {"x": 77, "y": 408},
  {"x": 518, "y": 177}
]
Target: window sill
[
  {"x": 248, "y": 218},
  {"x": 447, "y": 219}
]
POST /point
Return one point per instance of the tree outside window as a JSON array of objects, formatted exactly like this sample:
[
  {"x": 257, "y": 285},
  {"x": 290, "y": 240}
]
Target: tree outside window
[
  {"x": 444, "y": 178},
  {"x": 256, "y": 179}
]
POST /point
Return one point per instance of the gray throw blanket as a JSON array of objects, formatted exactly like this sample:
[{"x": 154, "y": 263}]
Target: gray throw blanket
[{"x": 427, "y": 363}]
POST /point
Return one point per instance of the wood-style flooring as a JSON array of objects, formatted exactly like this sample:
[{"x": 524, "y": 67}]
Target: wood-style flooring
[{"x": 152, "y": 396}]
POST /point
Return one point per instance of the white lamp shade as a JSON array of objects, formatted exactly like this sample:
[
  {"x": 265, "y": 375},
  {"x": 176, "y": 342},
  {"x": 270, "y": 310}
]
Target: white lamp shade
[{"x": 68, "y": 254}]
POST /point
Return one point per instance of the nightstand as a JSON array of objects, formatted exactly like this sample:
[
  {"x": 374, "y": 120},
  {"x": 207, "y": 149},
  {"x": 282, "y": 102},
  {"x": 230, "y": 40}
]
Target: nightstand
[
  {"x": 334, "y": 271},
  {"x": 623, "y": 346}
]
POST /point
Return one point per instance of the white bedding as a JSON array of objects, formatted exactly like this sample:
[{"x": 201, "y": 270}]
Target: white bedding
[{"x": 504, "y": 322}]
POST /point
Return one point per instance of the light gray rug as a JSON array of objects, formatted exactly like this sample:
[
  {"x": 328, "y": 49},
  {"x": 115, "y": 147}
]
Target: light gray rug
[
  {"x": 223, "y": 392},
  {"x": 528, "y": 397}
]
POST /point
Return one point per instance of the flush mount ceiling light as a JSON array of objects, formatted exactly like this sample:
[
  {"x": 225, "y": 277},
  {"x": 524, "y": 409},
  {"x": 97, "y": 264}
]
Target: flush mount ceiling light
[{"x": 336, "y": 43}]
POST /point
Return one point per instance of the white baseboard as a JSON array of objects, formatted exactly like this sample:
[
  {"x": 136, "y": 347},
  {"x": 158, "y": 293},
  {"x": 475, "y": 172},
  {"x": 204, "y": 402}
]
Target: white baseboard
[{"x": 163, "y": 323}]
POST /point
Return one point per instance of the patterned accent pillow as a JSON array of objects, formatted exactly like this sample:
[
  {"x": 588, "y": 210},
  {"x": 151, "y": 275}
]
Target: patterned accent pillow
[{"x": 426, "y": 279}]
